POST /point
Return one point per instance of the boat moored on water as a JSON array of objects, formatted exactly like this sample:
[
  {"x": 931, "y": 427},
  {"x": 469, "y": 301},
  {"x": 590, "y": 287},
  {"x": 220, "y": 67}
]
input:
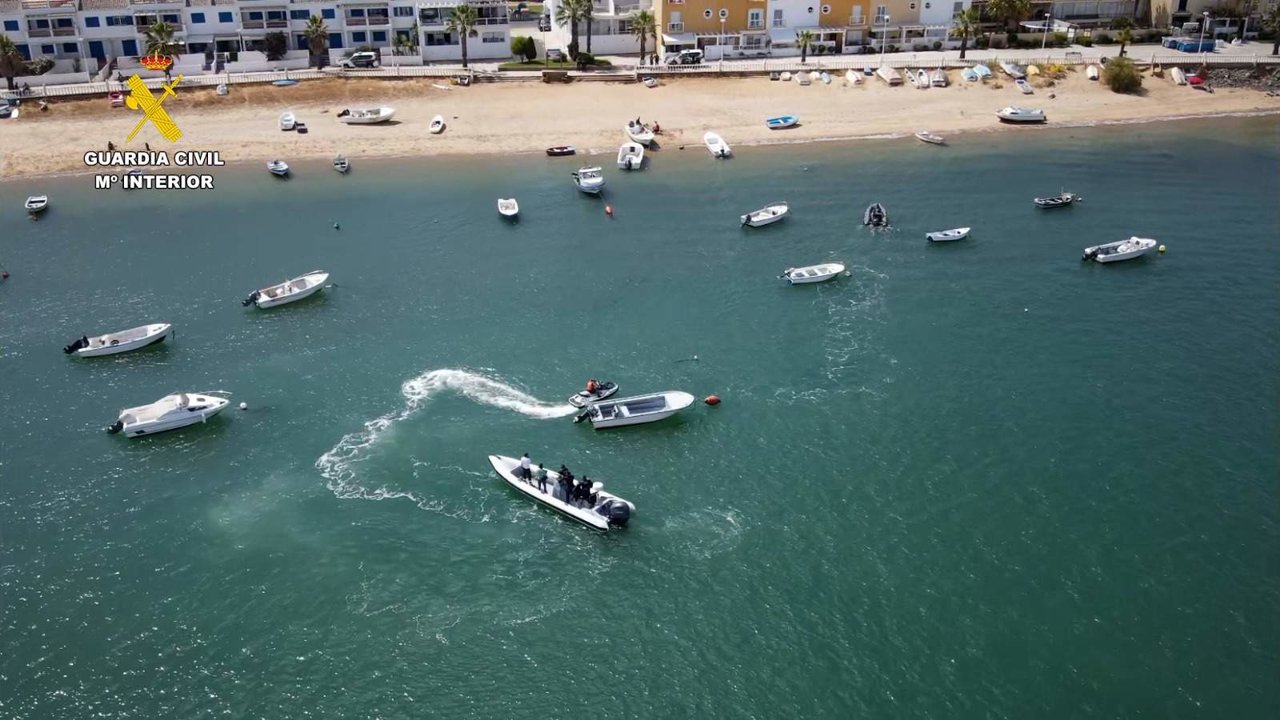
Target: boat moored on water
[
  {"x": 947, "y": 235},
  {"x": 366, "y": 116},
  {"x": 631, "y": 156},
  {"x": 168, "y": 413},
  {"x": 766, "y": 215},
  {"x": 782, "y": 121},
  {"x": 931, "y": 138},
  {"x": 37, "y": 204},
  {"x": 875, "y": 216},
  {"x": 589, "y": 505},
  {"x": 1062, "y": 199},
  {"x": 288, "y": 291},
  {"x": 716, "y": 145},
  {"x": 589, "y": 180},
  {"x": 812, "y": 273},
  {"x": 341, "y": 164},
  {"x": 1129, "y": 249},
  {"x": 508, "y": 207},
  {"x": 1013, "y": 114},
  {"x": 635, "y": 410},
  {"x": 119, "y": 342},
  {"x": 583, "y": 398},
  {"x": 279, "y": 168}
]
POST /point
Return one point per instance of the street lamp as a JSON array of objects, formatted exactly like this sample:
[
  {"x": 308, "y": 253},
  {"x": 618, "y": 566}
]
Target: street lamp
[
  {"x": 884, "y": 32},
  {"x": 1204, "y": 25},
  {"x": 721, "y": 42},
  {"x": 1045, "y": 39}
]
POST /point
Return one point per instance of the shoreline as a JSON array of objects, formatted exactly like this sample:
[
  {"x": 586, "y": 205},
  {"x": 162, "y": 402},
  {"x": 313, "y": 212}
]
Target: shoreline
[{"x": 490, "y": 120}]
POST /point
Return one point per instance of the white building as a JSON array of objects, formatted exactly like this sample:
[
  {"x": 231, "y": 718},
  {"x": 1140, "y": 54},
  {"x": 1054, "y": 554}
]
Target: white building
[
  {"x": 610, "y": 28},
  {"x": 492, "y": 40}
]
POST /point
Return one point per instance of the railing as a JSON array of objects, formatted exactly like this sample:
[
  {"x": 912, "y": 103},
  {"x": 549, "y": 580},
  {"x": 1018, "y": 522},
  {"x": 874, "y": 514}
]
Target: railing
[
  {"x": 253, "y": 24},
  {"x": 675, "y": 27},
  {"x": 356, "y": 22},
  {"x": 141, "y": 28},
  {"x": 857, "y": 21},
  {"x": 41, "y": 4},
  {"x": 51, "y": 32},
  {"x": 757, "y": 25}
]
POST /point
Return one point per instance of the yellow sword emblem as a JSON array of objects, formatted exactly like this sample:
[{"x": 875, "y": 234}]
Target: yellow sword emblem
[{"x": 140, "y": 97}]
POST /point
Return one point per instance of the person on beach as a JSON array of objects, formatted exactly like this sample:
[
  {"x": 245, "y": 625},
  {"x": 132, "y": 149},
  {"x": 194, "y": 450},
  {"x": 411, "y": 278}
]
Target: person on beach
[
  {"x": 111, "y": 147},
  {"x": 541, "y": 476}
]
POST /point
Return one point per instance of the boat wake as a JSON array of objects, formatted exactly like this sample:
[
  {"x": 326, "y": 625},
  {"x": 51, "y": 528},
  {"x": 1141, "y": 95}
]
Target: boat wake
[{"x": 338, "y": 465}]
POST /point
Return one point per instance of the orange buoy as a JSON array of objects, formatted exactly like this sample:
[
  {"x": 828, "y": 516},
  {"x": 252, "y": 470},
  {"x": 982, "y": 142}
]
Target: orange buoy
[
  {"x": 712, "y": 400},
  {"x": 608, "y": 210}
]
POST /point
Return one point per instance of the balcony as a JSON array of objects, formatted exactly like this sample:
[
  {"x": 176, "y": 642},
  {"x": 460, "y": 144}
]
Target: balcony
[
  {"x": 675, "y": 27},
  {"x": 857, "y": 21},
  {"x": 755, "y": 25},
  {"x": 51, "y": 32},
  {"x": 45, "y": 4},
  {"x": 363, "y": 21}
]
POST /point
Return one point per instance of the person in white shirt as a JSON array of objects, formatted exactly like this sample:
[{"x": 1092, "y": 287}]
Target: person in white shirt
[{"x": 526, "y": 472}]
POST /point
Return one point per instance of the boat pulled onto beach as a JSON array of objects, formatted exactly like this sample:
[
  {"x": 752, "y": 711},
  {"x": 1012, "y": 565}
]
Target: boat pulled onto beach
[
  {"x": 1017, "y": 115},
  {"x": 366, "y": 116}
]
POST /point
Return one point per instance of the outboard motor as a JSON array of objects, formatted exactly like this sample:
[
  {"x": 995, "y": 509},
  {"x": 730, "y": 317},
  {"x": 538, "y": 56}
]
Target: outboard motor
[
  {"x": 253, "y": 296},
  {"x": 83, "y": 342},
  {"x": 616, "y": 512},
  {"x": 115, "y": 427}
]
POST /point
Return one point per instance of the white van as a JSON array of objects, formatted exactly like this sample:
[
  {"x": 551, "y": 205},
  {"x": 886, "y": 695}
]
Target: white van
[{"x": 360, "y": 60}]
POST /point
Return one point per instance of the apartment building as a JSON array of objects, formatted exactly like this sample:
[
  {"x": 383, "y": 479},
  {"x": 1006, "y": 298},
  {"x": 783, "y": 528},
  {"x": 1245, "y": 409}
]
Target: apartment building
[{"x": 611, "y": 28}]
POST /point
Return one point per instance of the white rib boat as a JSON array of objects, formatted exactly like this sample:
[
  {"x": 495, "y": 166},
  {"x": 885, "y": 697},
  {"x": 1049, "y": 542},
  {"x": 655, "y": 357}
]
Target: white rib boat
[
  {"x": 37, "y": 204},
  {"x": 366, "y": 116},
  {"x": 716, "y": 145},
  {"x": 635, "y": 410},
  {"x": 947, "y": 235},
  {"x": 437, "y": 125},
  {"x": 289, "y": 291},
  {"x": 119, "y": 342},
  {"x": 1122, "y": 250},
  {"x": 589, "y": 180},
  {"x": 288, "y": 121},
  {"x": 812, "y": 273},
  {"x": 766, "y": 215},
  {"x": 341, "y": 164},
  {"x": 168, "y": 413},
  {"x": 508, "y": 207},
  {"x": 631, "y": 156},
  {"x": 607, "y": 512},
  {"x": 639, "y": 133},
  {"x": 582, "y": 398}
]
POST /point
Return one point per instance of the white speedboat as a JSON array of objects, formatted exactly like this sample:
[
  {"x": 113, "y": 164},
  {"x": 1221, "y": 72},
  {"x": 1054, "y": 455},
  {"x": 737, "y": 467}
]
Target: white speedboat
[
  {"x": 1091, "y": 72},
  {"x": 716, "y": 145},
  {"x": 1122, "y": 250},
  {"x": 437, "y": 125},
  {"x": 812, "y": 273},
  {"x": 786, "y": 76},
  {"x": 852, "y": 77},
  {"x": 1021, "y": 115},
  {"x": 890, "y": 76},
  {"x": 931, "y": 138},
  {"x": 1023, "y": 86},
  {"x": 119, "y": 342},
  {"x": 341, "y": 164},
  {"x": 766, "y": 215},
  {"x": 589, "y": 180},
  {"x": 37, "y": 204},
  {"x": 947, "y": 235},
  {"x": 279, "y": 168},
  {"x": 288, "y": 121},
  {"x": 366, "y": 116},
  {"x": 650, "y": 82},
  {"x": 288, "y": 291},
  {"x": 583, "y": 398},
  {"x": 508, "y": 207},
  {"x": 168, "y": 413},
  {"x": 601, "y": 510},
  {"x": 802, "y": 78},
  {"x": 922, "y": 80},
  {"x": 939, "y": 78},
  {"x": 639, "y": 133},
  {"x": 635, "y": 410},
  {"x": 631, "y": 156}
]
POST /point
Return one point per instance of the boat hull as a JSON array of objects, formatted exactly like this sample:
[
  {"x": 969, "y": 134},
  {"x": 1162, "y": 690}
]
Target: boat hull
[
  {"x": 175, "y": 421},
  {"x": 596, "y": 412},
  {"x": 158, "y": 336},
  {"x": 505, "y": 468},
  {"x": 765, "y": 216},
  {"x": 948, "y": 235}
]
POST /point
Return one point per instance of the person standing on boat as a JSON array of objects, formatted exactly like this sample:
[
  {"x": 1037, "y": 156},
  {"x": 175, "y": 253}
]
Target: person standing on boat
[
  {"x": 526, "y": 471},
  {"x": 541, "y": 476}
]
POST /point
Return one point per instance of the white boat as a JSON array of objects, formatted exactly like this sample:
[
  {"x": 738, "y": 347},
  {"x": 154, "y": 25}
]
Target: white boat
[
  {"x": 650, "y": 82},
  {"x": 288, "y": 291},
  {"x": 1178, "y": 75},
  {"x": 786, "y": 76},
  {"x": 812, "y": 273},
  {"x": 922, "y": 80},
  {"x": 168, "y": 413},
  {"x": 1091, "y": 72},
  {"x": 969, "y": 74},
  {"x": 766, "y": 215},
  {"x": 1122, "y": 250},
  {"x": 589, "y": 180},
  {"x": 780, "y": 122},
  {"x": 931, "y": 138},
  {"x": 716, "y": 145},
  {"x": 815, "y": 76},
  {"x": 635, "y": 410},
  {"x": 606, "y": 512},
  {"x": 366, "y": 116},
  {"x": 341, "y": 164},
  {"x": 1024, "y": 86},
  {"x": 852, "y": 77},
  {"x": 802, "y": 78},
  {"x": 37, "y": 204},
  {"x": 947, "y": 235},
  {"x": 1021, "y": 115},
  {"x": 631, "y": 156},
  {"x": 1062, "y": 199},
  {"x": 582, "y": 398},
  {"x": 826, "y": 78},
  {"x": 639, "y": 133},
  {"x": 119, "y": 342},
  {"x": 982, "y": 71},
  {"x": 939, "y": 78},
  {"x": 890, "y": 76},
  {"x": 288, "y": 121},
  {"x": 437, "y": 125},
  {"x": 508, "y": 207},
  {"x": 279, "y": 168},
  {"x": 1013, "y": 70}
]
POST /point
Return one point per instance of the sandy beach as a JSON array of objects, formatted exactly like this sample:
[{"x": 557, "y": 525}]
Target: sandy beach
[{"x": 522, "y": 117}]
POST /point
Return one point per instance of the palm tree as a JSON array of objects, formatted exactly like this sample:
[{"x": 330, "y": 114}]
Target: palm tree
[
  {"x": 644, "y": 26},
  {"x": 160, "y": 43},
  {"x": 569, "y": 12},
  {"x": 1272, "y": 23},
  {"x": 588, "y": 15},
  {"x": 1124, "y": 37},
  {"x": 12, "y": 64},
  {"x": 966, "y": 26},
  {"x": 803, "y": 39},
  {"x": 1011, "y": 12},
  {"x": 317, "y": 34},
  {"x": 463, "y": 21}
]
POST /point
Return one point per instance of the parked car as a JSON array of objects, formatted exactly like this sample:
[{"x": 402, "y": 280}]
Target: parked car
[
  {"x": 685, "y": 57},
  {"x": 361, "y": 60}
]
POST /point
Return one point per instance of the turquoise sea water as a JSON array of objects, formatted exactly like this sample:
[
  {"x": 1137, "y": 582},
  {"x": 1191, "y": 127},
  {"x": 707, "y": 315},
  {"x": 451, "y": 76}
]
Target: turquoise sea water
[{"x": 974, "y": 480}]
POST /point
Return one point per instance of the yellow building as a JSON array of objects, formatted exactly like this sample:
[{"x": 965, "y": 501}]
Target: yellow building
[{"x": 761, "y": 28}]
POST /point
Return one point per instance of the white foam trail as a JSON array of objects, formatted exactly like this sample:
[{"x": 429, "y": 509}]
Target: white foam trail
[{"x": 336, "y": 465}]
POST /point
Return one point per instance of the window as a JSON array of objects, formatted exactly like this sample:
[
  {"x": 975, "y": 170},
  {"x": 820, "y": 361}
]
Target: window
[
  {"x": 327, "y": 13},
  {"x": 882, "y": 14},
  {"x": 810, "y": 9},
  {"x": 46, "y": 49},
  {"x": 70, "y": 48},
  {"x": 197, "y": 18},
  {"x": 439, "y": 38},
  {"x": 755, "y": 19},
  {"x": 299, "y": 14},
  {"x": 171, "y": 19},
  {"x": 117, "y": 20},
  {"x": 777, "y": 19},
  {"x": 676, "y": 22},
  {"x": 276, "y": 15},
  {"x": 358, "y": 37},
  {"x": 404, "y": 12},
  {"x": 379, "y": 35},
  {"x": 255, "y": 16},
  {"x": 928, "y": 5},
  {"x": 355, "y": 12},
  {"x": 44, "y": 24},
  {"x": 826, "y": 9},
  {"x": 857, "y": 15},
  {"x": 492, "y": 37},
  {"x": 66, "y": 22},
  {"x": 12, "y": 25},
  {"x": 957, "y": 8},
  {"x": 723, "y": 13},
  {"x": 707, "y": 13},
  {"x": 226, "y": 17},
  {"x": 624, "y": 27}
]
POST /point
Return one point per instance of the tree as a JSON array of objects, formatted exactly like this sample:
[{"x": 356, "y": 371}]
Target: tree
[
  {"x": 317, "y": 34},
  {"x": 530, "y": 50},
  {"x": 1272, "y": 23},
  {"x": 463, "y": 21},
  {"x": 275, "y": 45},
  {"x": 12, "y": 64},
  {"x": 966, "y": 26},
  {"x": 1122, "y": 76},
  {"x": 1011, "y": 12},
  {"x": 644, "y": 26},
  {"x": 407, "y": 42},
  {"x": 803, "y": 39},
  {"x": 1124, "y": 37},
  {"x": 588, "y": 15},
  {"x": 570, "y": 13},
  {"x": 160, "y": 43}
]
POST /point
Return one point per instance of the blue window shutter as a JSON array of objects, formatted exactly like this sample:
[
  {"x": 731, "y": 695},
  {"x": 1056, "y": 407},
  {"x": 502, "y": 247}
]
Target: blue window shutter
[
  {"x": 379, "y": 36},
  {"x": 12, "y": 25},
  {"x": 225, "y": 17},
  {"x": 327, "y": 13},
  {"x": 197, "y": 18}
]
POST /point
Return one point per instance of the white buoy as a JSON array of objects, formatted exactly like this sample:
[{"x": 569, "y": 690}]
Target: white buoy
[{"x": 244, "y": 406}]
